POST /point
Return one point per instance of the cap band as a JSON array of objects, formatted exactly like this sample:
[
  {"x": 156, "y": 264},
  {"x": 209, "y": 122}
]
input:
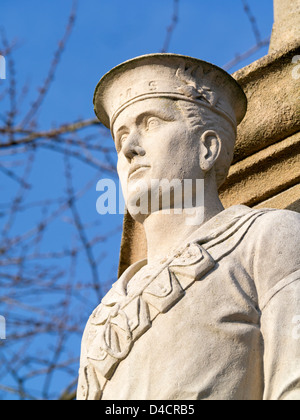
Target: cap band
[{"x": 170, "y": 95}]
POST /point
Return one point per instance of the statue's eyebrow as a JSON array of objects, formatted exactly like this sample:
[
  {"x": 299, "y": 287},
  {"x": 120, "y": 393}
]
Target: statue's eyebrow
[
  {"x": 162, "y": 113},
  {"x": 120, "y": 130}
]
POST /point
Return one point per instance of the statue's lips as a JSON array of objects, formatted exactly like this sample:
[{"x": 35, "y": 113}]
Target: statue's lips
[{"x": 136, "y": 169}]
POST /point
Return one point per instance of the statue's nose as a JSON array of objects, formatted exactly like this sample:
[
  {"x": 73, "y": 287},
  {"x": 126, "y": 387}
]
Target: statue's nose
[{"x": 132, "y": 147}]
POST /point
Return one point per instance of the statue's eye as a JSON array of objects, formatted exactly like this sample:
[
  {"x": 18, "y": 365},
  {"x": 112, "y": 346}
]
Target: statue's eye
[
  {"x": 123, "y": 138},
  {"x": 120, "y": 141},
  {"x": 152, "y": 123}
]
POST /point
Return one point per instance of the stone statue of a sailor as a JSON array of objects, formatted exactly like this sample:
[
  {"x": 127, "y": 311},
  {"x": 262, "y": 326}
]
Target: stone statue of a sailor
[{"x": 212, "y": 313}]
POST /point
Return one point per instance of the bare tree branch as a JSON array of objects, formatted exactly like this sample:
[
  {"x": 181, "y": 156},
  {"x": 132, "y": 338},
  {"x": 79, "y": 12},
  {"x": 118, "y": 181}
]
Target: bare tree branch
[
  {"x": 260, "y": 43},
  {"x": 32, "y": 136},
  {"x": 171, "y": 28},
  {"x": 80, "y": 228},
  {"x": 40, "y": 286},
  {"x": 253, "y": 22},
  {"x": 50, "y": 77},
  {"x": 244, "y": 56}
]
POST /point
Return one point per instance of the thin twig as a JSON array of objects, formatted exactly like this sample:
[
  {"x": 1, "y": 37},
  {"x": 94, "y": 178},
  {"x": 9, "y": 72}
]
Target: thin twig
[
  {"x": 33, "y": 136},
  {"x": 13, "y": 176},
  {"x": 56, "y": 59},
  {"x": 80, "y": 228},
  {"x": 20, "y": 195},
  {"x": 12, "y": 89},
  {"x": 260, "y": 43},
  {"x": 241, "y": 57},
  {"x": 253, "y": 22},
  {"x": 171, "y": 28}
]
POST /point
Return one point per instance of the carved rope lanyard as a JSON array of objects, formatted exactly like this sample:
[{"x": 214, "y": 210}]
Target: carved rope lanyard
[
  {"x": 122, "y": 354},
  {"x": 117, "y": 310}
]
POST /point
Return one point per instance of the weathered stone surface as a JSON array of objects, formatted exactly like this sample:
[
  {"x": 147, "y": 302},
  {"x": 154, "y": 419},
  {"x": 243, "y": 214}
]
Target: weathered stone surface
[
  {"x": 264, "y": 174},
  {"x": 273, "y": 101},
  {"x": 287, "y": 23},
  {"x": 289, "y": 199}
]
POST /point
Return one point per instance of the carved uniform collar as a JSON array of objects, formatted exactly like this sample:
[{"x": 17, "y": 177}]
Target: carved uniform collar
[{"x": 208, "y": 232}]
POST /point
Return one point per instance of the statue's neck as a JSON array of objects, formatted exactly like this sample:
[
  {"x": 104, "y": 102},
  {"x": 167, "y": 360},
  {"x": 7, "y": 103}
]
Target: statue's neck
[{"x": 167, "y": 232}]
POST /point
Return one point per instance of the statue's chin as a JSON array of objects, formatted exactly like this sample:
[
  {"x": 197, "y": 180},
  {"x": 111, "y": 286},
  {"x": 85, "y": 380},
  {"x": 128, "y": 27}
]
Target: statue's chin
[{"x": 139, "y": 206}]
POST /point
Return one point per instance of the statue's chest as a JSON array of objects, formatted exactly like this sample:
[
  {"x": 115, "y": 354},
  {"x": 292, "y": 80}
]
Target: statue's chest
[
  {"x": 208, "y": 342},
  {"x": 126, "y": 315}
]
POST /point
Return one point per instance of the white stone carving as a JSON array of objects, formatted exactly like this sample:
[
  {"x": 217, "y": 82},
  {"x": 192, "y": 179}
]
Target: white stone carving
[{"x": 211, "y": 313}]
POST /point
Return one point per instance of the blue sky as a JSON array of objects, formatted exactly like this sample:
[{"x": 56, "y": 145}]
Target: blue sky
[
  {"x": 110, "y": 32},
  {"x": 107, "y": 33}
]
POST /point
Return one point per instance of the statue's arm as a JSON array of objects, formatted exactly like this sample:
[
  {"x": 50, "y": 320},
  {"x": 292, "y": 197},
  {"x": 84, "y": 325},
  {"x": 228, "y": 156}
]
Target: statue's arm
[
  {"x": 278, "y": 280},
  {"x": 89, "y": 387},
  {"x": 280, "y": 326},
  {"x": 82, "y": 388}
]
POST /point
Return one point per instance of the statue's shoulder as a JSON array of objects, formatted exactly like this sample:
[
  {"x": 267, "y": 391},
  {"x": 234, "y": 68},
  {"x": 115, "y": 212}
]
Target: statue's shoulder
[
  {"x": 283, "y": 224},
  {"x": 275, "y": 249}
]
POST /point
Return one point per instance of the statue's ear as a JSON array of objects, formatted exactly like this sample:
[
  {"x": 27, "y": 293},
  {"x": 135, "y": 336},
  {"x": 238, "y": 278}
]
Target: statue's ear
[{"x": 210, "y": 150}]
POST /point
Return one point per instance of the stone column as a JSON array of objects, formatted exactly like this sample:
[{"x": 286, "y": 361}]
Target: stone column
[{"x": 286, "y": 27}]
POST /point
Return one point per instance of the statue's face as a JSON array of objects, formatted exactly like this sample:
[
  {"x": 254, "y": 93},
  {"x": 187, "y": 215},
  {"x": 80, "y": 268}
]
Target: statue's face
[{"x": 154, "y": 142}]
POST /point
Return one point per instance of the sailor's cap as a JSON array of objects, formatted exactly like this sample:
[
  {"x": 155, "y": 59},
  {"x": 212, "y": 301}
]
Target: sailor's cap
[{"x": 169, "y": 76}]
